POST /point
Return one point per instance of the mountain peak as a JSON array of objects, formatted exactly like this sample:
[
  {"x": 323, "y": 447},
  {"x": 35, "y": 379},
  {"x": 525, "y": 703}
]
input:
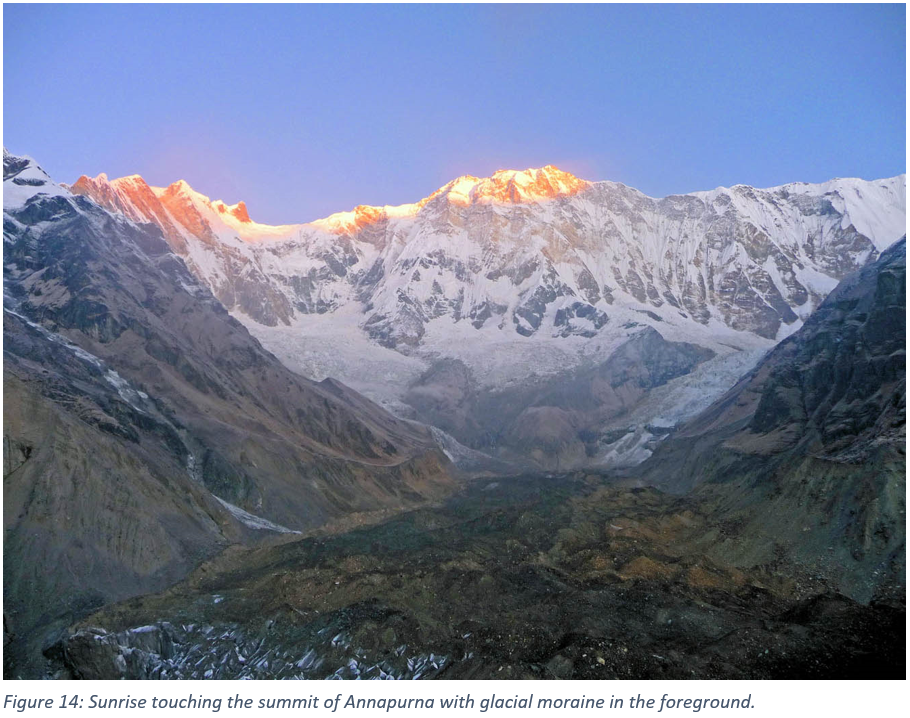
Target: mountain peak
[
  {"x": 507, "y": 186},
  {"x": 237, "y": 211},
  {"x": 503, "y": 187},
  {"x": 180, "y": 185},
  {"x": 23, "y": 179},
  {"x": 181, "y": 191},
  {"x": 84, "y": 181}
]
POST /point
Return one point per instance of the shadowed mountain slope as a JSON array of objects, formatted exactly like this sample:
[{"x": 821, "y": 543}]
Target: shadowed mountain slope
[
  {"x": 144, "y": 428},
  {"x": 805, "y": 456}
]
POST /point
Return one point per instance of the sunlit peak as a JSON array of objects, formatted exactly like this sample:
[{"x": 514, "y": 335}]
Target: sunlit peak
[
  {"x": 512, "y": 187},
  {"x": 237, "y": 211}
]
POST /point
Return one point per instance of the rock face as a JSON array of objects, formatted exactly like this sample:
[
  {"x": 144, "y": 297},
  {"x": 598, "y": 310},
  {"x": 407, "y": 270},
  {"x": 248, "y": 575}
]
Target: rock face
[
  {"x": 519, "y": 247},
  {"x": 556, "y": 421},
  {"x": 532, "y": 273},
  {"x": 145, "y": 429},
  {"x": 806, "y": 454}
]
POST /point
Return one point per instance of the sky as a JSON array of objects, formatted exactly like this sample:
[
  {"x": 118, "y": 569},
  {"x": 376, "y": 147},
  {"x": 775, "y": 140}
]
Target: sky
[{"x": 302, "y": 111}]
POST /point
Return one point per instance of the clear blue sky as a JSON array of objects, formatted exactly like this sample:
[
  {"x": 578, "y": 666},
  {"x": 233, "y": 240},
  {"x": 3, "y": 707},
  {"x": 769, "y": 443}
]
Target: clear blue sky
[{"x": 302, "y": 111}]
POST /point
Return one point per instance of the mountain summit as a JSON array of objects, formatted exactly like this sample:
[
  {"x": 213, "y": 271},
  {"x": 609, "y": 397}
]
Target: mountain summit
[
  {"x": 512, "y": 187},
  {"x": 129, "y": 195}
]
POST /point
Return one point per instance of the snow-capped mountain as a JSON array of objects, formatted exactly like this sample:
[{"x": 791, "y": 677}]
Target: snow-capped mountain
[
  {"x": 145, "y": 429},
  {"x": 525, "y": 276},
  {"x": 515, "y": 248}
]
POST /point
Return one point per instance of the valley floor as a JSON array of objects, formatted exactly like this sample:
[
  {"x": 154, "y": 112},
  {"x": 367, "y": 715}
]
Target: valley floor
[{"x": 569, "y": 576}]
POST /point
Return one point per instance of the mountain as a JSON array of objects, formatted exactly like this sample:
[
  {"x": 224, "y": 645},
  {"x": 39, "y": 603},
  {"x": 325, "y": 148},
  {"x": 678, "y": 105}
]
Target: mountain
[
  {"x": 511, "y": 245},
  {"x": 775, "y": 550},
  {"x": 540, "y": 319},
  {"x": 528, "y": 277},
  {"x": 806, "y": 455},
  {"x": 145, "y": 429}
]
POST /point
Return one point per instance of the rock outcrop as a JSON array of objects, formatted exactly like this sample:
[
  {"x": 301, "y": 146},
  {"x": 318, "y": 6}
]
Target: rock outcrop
[{"x": 805, "y": 456}]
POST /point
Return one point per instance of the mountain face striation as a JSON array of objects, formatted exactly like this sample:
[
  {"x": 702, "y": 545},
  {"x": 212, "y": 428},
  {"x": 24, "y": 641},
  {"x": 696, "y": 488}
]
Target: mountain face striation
[
  {"x": 475, "y": 304},
  {"x": 806, "y": 454}
]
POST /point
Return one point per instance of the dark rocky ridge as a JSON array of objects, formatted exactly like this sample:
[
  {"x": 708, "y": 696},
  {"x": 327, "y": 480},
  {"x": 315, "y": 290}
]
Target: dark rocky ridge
[
  {"x": 98, "y": 504},
  {"x": 807, "y": 452}
]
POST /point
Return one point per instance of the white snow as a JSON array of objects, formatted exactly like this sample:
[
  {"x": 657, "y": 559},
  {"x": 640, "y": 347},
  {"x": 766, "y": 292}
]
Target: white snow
[
  {"x": 33, "y": 181},
  {"x": 253, "y": 521},
  {"x": 465, "y": 246},
  {"x": 131, "y": 396}
]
